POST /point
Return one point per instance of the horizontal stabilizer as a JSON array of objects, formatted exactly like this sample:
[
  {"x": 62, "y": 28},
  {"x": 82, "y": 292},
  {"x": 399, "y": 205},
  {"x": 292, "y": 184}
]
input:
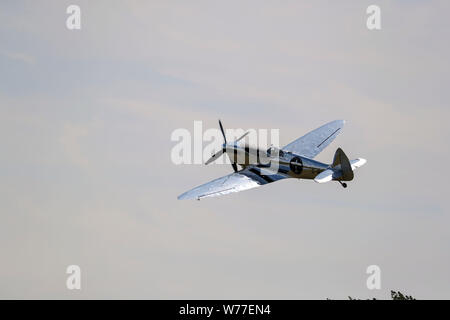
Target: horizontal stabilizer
[
  {"x": 358, "y": 163},
  {"x": 324, "y": 176}
]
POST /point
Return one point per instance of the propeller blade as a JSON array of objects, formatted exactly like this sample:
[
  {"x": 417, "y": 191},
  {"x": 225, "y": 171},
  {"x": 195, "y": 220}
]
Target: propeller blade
[
  {"x": 214, "y": 157},
  {"x": 223, "y": 132},
  {"x": 242, "y": 137}
]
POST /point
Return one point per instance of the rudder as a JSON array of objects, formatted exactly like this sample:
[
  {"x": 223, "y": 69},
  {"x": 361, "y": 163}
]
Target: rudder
[{"x": 341, "y": 162}]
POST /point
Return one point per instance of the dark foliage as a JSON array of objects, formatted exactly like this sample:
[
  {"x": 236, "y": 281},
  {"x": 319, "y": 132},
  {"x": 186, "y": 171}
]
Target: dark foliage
[{"x": 395, "y": 295}]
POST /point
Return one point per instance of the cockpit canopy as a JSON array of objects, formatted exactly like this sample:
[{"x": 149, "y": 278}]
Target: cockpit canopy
[{"x": 274, "y": 152}]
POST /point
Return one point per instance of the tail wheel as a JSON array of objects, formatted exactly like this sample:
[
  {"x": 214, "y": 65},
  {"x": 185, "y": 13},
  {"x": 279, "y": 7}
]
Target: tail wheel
[{"x": 343, "y": 184}]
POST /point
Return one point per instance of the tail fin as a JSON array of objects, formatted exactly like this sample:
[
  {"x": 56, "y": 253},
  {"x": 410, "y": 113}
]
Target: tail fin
[{"x": 341, "y": 162}]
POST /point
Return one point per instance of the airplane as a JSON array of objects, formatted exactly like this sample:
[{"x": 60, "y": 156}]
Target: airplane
[{"x": 295, "y": 160}]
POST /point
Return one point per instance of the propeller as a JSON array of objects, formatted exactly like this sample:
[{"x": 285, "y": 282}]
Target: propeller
[
  {"x": 215, "y": 156},
  {"x": 223, "y": 132},
  {"x": 242, "y": 137},
  {"x": 224, "y": 146}
]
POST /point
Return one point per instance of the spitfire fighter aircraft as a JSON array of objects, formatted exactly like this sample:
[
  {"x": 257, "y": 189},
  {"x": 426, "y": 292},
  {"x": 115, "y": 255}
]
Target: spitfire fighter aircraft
[{"x": 294, "y": 160}]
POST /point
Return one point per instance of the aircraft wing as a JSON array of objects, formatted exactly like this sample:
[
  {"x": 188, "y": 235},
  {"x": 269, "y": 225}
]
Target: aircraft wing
[
  {"x": 312, "y": 143},
  {"x": 248, "y": 178}
]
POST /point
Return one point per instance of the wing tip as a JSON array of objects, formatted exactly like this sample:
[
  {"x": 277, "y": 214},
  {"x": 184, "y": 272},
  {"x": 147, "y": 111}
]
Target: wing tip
[
  {"x": 336, "y": 123},
  {"x": 341, "y": 122},
  {"x": 182, "y": 196}
]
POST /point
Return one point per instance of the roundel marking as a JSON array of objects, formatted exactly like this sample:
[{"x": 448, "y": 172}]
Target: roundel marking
[{"x": 296, "y": 165}]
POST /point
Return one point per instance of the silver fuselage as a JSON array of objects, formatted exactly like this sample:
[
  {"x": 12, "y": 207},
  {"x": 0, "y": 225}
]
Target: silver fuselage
[{"x": 286, "y": 163}]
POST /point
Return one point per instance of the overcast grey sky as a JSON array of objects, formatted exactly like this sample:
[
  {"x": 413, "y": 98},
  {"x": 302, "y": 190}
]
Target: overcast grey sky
[{"x": 86, "y": 177}]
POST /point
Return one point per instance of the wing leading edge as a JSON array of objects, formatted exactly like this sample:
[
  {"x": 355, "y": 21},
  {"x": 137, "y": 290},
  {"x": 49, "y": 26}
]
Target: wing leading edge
[
  {"x": 312, "y": 143},
  {"x": 234, "y": 182}
]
